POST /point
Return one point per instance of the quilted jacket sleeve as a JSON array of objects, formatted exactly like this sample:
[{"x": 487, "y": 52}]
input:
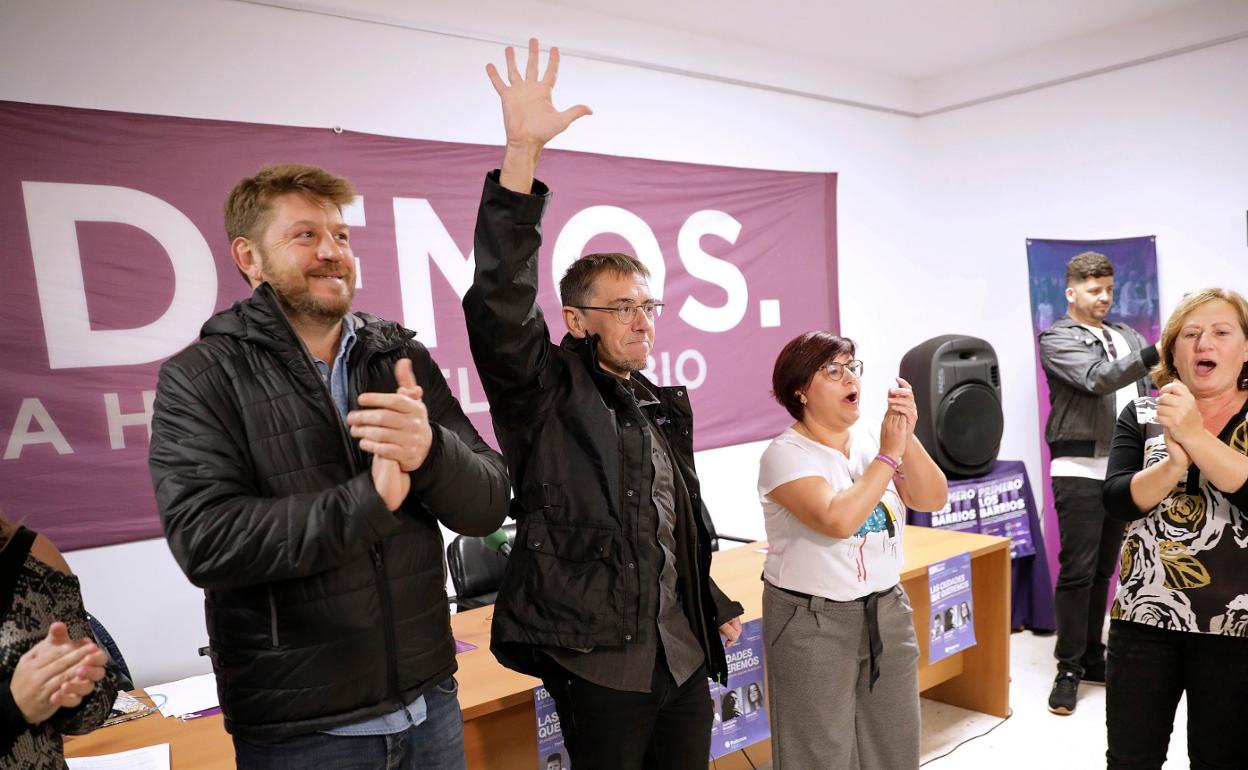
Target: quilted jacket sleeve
[
  {"x": 463, "y": 482},
  {"x": 506, "y": 328},
  {"x": 221, "y": 531}
]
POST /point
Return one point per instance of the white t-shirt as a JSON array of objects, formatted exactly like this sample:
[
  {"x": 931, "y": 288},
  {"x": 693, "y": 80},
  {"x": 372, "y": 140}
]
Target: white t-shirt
[
  {"x": 801, "y": 559},
  {"x": 1095, "y": 467}
]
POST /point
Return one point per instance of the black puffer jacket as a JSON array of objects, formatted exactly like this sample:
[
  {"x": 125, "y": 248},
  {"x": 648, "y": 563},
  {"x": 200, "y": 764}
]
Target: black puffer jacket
[
  {"x": 323, "y": 607},
  {"x": 572, "y": 579}
]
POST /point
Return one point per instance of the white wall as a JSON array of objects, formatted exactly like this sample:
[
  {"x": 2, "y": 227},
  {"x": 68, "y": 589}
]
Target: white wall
[
  {"x": 1157, "y": 149},
  {"x": 932, "y": 212},
  {"x": 227, "y": 60}
]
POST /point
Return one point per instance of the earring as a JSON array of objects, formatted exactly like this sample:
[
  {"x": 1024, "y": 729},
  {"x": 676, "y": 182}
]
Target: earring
[{"x": 801, "y": 397}]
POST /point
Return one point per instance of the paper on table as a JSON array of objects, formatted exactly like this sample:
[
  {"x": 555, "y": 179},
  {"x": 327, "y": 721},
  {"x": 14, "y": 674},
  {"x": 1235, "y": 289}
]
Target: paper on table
[
  {"x": 147, "y": 758},
  {"x": 185, "y": 696}
]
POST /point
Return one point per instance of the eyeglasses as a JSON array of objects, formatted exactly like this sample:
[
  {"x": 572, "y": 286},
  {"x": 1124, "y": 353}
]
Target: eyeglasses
[
  {"x": 835, "y": 369},
  {"x": 626, "y": 313}
]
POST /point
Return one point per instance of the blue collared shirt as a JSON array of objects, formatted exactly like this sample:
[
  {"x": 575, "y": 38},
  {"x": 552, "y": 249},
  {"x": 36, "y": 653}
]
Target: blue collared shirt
[{"x": 336, "y": 378}]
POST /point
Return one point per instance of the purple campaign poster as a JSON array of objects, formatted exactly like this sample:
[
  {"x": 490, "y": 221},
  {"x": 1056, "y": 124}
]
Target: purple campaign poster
[
  {"x": 551, "y": 755},
  {"x": 960, "y": 513},
  {"x": 1003, "y": 511},
  {"x": 741, "y": 707},
  {"x": 953, "y": 609},
  {"x": 1135, "y": 304}
]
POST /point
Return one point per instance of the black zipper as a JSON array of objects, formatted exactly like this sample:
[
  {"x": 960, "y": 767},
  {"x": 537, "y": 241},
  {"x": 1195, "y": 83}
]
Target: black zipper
[
  {"x": 392, "y": 667},
  {"x": 273, "y": 618},
  {"x": 379, "y": 569},
  {"x": 379, "y": 563}
]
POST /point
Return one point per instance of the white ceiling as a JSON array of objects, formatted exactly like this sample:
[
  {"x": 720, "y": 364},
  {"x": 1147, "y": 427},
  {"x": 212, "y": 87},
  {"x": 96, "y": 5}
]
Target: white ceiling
[
  {"x": 912, "y": 39},
  {"x": 911, "y": 57}
]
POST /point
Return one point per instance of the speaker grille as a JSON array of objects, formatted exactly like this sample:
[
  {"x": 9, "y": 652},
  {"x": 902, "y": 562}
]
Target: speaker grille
[{"x": 969, "y": 425}]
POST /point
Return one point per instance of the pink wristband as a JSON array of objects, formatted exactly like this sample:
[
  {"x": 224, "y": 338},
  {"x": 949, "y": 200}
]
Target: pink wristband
[{"x": 890, "y": 462}]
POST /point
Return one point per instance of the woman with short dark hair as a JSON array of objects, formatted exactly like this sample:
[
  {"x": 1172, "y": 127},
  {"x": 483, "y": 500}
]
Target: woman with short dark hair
[
  {"x": 1178, "y": 472},
  {"x": 842, "y": 659}
]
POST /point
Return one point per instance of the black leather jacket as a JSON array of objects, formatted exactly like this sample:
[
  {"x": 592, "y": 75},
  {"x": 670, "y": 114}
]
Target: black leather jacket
[
  {"x": 1082, "y": 383},
  {"x": 323, "y": 607},
  {"x": 572, "y": 579}
]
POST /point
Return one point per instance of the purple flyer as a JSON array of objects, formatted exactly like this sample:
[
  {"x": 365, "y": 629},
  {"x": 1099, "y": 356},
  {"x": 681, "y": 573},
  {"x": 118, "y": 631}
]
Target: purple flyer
[
  {"x": 1003, "y": 511},
  {"x": 953, "y": 609},
  {"x": 741, "y": 707},
  {"x": 551, "y": 755}
]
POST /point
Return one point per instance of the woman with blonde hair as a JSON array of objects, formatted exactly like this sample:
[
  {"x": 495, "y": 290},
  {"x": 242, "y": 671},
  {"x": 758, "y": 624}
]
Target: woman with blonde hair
[
  {"x": 54, "y": 679},
  {"x": 1178, "y": 472}
]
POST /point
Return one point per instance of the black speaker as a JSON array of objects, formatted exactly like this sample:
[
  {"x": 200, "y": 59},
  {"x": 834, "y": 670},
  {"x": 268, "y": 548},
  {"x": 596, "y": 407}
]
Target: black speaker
[{"x": 957, "y": 388}]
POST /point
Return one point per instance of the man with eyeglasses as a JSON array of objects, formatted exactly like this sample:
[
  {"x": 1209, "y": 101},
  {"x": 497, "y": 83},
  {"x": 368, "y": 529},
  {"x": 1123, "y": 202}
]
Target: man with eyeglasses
[
  {"x": 607, "y": 595},
  {"x": 1094, "y": 369}
]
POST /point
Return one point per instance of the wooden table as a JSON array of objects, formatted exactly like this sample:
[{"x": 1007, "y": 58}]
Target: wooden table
[{"x": 499, "y": 722}]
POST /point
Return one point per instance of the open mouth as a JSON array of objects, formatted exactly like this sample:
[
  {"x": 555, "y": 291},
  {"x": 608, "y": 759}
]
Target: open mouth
[
  {"x": 1204, "y": 366},
  {"x": 852, "y": 397}
]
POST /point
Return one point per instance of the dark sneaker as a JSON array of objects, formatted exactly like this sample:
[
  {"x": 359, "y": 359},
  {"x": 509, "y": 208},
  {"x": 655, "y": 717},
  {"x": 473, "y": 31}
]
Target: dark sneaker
[
  {"x": 1064, "y": 693},
  {"x": 1094, "y": 673}
]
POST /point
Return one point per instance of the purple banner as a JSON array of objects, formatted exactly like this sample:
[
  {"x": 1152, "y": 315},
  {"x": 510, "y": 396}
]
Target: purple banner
[
  {"x": 741, "y": 707},
  {"x": 953, "y": 608},
  {"x": 1135, "y": 304},
  {"x": 119, "y": 255},
  {"x": 551, "y": 754}
]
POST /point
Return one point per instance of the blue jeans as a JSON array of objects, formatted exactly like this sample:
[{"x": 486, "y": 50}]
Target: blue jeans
[{"x": 435, "y": 744}]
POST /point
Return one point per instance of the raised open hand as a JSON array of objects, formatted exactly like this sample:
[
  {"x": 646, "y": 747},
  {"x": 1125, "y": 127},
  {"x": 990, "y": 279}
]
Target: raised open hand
[{"x": 529, "y": 113}]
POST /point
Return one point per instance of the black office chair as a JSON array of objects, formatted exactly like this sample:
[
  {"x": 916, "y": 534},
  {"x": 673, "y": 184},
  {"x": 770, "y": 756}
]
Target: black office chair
[
  {"x": 476, "y": 571},
  {"x": 109, "y": 645},
  {"x": 717, "y": 536}
]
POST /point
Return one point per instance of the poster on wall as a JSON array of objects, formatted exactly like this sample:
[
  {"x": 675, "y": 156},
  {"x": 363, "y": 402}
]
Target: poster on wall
[
  {"x": 740, "y": 707},
  {"x": 117, "y": 258},
  {"x": 1135, "y": 304},
  {"x": 953, "y": 608}
]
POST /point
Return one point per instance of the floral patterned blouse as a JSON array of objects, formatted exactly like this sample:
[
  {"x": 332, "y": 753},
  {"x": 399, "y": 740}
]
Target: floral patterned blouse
[{"x": 1184, "y": 563}]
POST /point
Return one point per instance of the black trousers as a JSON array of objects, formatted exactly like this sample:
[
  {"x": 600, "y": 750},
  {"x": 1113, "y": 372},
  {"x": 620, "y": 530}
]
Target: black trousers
[
  {"x": 1149, "y": 669},
  {"x": 1089, "y": 550},
  {"x": 668, "y": 728}
]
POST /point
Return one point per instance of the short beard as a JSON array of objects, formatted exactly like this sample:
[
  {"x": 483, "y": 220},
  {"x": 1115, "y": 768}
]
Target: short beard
[
  {"x": 623, "y": 366},
  {"x": 298, "y": 302},
  {"x": 302, "y": 306}
]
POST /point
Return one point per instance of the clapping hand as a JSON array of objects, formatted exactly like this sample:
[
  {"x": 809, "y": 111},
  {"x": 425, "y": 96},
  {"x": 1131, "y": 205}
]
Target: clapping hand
[
  {"x": 395, "y": 429},
  {"x": 57, "y": 672},
  {"x": 901, "y": 401},
  {"x": 1177, "y": 412}
]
